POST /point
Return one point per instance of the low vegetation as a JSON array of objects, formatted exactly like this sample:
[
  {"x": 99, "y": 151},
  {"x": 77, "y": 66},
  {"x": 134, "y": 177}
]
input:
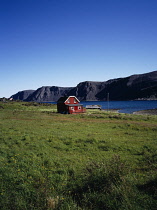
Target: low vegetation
[{"x": 96, "y": 160}]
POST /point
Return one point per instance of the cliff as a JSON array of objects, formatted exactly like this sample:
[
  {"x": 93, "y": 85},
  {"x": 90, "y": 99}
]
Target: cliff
[
  {"x": 140, "y": 86},
  {"x": 48, "y": 93},
  {"x": 22, "y": 95}
]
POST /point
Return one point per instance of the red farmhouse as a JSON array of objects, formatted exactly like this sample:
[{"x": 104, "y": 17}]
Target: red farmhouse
[{"x": 69, "y": 105}]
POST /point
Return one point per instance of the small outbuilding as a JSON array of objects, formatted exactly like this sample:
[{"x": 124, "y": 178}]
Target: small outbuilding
[
  {"x": 69, "y": 105},
  {"x": 93, "y": 107}
]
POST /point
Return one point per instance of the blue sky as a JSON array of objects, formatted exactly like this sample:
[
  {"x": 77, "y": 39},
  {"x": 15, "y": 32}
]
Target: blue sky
[{"x": 64, "y": 42}]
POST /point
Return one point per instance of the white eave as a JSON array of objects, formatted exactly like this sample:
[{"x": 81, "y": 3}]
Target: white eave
[{"x": 73, "y": 97}]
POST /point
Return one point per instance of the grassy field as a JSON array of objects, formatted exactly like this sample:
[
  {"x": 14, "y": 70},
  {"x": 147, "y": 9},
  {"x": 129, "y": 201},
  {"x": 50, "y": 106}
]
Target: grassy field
[{"x": 97, "y": 160}]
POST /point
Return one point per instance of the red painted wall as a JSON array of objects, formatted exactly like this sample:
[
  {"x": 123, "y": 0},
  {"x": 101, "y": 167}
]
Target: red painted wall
[{"x": 75, "y": 109}]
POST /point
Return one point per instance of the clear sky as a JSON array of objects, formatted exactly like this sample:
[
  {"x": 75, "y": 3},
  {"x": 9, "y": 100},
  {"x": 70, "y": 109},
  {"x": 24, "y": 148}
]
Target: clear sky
[{"x": 64, "y": 42}]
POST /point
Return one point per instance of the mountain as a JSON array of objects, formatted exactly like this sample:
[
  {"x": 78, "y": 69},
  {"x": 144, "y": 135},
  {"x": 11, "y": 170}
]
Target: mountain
[
  {"x": 48, "y": 93},
  {"x": 86, "y": 91},
  {"x": 22, "y": 95},
  {"x": 140, "y": 86}
]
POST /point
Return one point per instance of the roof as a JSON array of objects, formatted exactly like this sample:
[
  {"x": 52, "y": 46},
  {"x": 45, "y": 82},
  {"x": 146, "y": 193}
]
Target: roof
[
  {"x": 62, "y": 99},
  {"x": 73, "y": 97},
  {"x": 74, "y": 104},
  {"x": 65, "y": 98}
]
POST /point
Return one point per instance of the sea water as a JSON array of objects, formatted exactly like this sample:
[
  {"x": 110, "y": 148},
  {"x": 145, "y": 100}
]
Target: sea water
[{"x": 123, "y": 106}]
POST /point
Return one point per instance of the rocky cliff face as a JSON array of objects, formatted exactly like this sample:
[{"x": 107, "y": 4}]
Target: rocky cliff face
[
  {"x": 48, "y": 93},
  {"x": 86, "y": 91},
  {"x": 142, "y": 86},
  {"x": 22, "y": 95}
]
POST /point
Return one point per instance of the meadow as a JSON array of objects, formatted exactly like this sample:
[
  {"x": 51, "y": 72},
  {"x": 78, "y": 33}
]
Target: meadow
[{"x": 91, "y": 161}]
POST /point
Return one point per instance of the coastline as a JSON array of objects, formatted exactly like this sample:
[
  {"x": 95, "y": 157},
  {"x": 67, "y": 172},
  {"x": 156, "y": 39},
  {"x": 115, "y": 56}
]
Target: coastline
[
  {"x": 111, "y": 110},
  {"x": 146, "y": 112}
]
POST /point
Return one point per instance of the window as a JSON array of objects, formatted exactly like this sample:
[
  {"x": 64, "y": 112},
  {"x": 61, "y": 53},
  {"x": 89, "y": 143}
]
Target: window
[
  {"x": 75, "y": 101},
  {"x": 68, "y": 101},
  {"x": 72, "y": 108},
  {"x": 79, "y": 107}
]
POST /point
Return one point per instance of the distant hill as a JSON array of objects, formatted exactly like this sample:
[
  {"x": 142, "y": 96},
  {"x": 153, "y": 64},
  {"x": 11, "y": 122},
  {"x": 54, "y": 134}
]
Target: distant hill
[
  {"x": 140, "y": 86},
  {"x": 48, "y": 93},
  {"x": 22, "y": 95}
]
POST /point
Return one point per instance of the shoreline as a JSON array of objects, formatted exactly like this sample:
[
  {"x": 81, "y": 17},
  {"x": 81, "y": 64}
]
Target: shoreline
[
  {"x": 141, "y": 112},
  {"x": 146, "y": 112}
]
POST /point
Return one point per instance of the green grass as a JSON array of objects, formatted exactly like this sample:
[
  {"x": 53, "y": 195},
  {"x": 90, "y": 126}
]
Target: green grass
[{"x": 97, "y": 160}]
